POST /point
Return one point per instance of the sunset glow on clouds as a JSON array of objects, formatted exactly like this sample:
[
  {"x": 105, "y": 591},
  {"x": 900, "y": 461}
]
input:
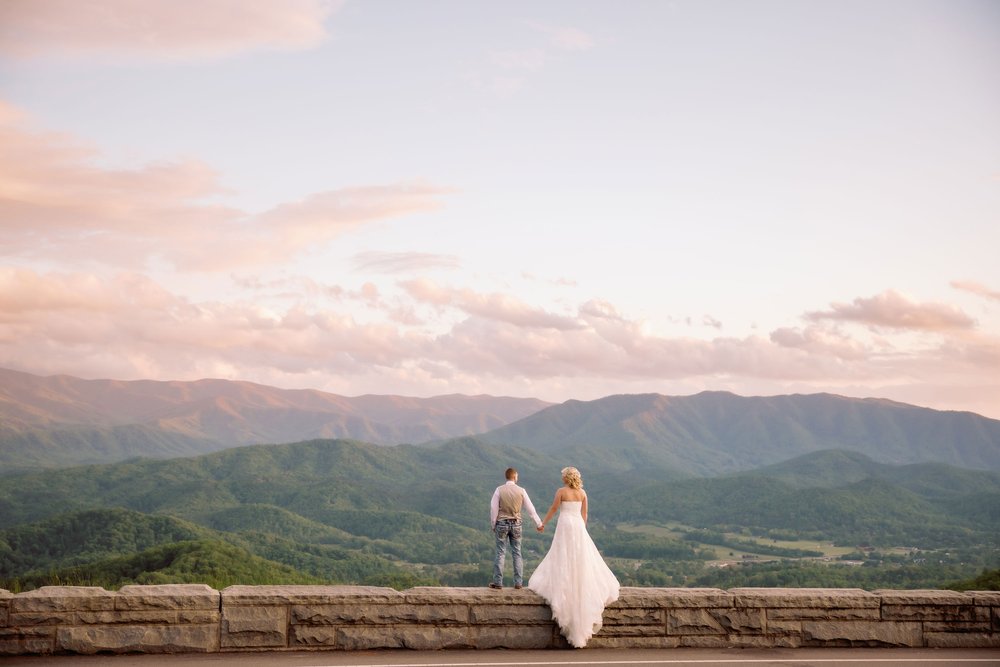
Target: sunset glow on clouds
[{"x": 565, "y": 201}]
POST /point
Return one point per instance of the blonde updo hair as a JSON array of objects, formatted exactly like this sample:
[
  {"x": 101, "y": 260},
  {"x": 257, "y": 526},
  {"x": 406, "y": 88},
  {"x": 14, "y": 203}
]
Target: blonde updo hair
[{"x": 571, "y": 476}]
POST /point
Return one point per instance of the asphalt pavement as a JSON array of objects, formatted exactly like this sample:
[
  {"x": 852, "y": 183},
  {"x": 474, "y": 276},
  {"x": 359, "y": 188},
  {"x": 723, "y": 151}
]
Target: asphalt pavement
[{"x": 825, "y": 657}]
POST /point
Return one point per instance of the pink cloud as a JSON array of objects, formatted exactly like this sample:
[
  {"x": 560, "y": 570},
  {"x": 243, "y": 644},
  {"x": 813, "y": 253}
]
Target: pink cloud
[
  {"x": 897, "y": 311},
  {"x": 976, "y": 288},
  {"x": 128, "y": 326},
  {"x": 159, "y": 29},
  {"x": 820, "y": 340},
  {"x": 402, "y": 262},
  {"x": 499, "y": 307},
  {"x": 54, "y": 200}
]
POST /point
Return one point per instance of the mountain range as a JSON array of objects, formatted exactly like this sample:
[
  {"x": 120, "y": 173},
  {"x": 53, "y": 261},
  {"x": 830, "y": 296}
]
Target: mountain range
[
  {"x": 59, "y": 421},
  {"x": 62, "y": 420}
]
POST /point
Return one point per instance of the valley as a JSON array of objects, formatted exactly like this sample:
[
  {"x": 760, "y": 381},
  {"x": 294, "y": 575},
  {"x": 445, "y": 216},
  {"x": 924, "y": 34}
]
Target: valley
[{"x": 711, "y": 490}]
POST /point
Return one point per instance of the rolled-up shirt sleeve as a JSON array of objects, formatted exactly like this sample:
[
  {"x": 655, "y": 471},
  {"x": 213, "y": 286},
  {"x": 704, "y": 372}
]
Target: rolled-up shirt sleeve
[
  {"x": 531, "y": 508},
  {"x": 494, "y": 508}
]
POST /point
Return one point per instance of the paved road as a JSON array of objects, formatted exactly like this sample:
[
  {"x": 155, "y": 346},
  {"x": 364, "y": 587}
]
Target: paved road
[{"x": 553, "y": 658}]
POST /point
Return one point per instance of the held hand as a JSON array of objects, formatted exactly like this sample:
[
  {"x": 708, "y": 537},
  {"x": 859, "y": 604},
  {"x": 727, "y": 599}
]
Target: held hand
[{"x": 541, "y": 528}]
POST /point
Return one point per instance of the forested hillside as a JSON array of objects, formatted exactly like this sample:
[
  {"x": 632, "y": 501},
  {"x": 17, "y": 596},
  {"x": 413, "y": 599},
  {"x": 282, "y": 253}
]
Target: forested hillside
[
  {"x": 713, "y": 433},
  {"x": 349, "y": 512}
]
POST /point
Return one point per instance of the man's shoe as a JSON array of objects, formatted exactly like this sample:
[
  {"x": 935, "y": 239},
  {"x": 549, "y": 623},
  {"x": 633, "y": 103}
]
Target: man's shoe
[
  {"x": 518, "y": 586},
  {"x": 496, "y": 586}
]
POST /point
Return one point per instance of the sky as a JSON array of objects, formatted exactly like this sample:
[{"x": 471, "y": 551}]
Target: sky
[{"x": 560, "y": 200}]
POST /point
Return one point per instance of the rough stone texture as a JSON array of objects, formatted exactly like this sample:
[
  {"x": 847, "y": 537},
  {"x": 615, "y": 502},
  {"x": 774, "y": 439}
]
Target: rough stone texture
[
  {"x": 498, "y": 614},
  {"x": 254, "y": 627},
  {"x": 337, "y": 614},
  {"x": 28, "y": 640},
  {"x": 961, "y": 640},
  {"x": 803, "y": 613},
  {"x": 666, "y": 598},
  {"x": 139, "y": 639},
  {"x": 861, "y": 633},
  {"x": 693, "y": 622},
  {"x": 5, "y": 598},
  {"x": 527, "y": 637},
  {"x": 738, "y": 641},
  {"x": 439, "y": 595},
  {"x": 823, "y": 598},
  {"x": 274, "y": 595},
  {"x": 923, "y": 597},
  {"x": 64, "y": 598},
  {"x": 633, "y": 616},
  {"x": 170, "y": 596},
  {"x": 599, "y": 641},
  {"x": 189, "y": 618}
]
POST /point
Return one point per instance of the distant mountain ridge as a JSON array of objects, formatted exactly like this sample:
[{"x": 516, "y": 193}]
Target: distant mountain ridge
[
  {"x": 59, "y": 421},
  {"x": 718, "y": 432},
  {"x": 62, "y": 420}
]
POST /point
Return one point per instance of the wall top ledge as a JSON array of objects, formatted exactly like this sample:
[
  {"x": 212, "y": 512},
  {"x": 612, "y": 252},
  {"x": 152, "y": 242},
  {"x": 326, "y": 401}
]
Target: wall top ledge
[
  {"x": 257, "y": 595},
  {"x": 199, "y": 595},
  {"x": 926, "y": 596},
  {"x": 805, "y": 597}
]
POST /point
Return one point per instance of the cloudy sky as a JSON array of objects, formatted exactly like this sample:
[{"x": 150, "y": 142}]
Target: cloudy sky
[{"x": 563, "y": 199}]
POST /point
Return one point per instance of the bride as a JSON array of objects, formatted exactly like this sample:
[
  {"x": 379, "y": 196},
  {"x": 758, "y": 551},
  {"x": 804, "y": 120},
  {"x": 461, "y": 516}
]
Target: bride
[{"x": 573, "y": 578}]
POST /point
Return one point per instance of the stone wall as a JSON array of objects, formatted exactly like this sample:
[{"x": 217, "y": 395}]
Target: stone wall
[{"x": 196, "y": 618}]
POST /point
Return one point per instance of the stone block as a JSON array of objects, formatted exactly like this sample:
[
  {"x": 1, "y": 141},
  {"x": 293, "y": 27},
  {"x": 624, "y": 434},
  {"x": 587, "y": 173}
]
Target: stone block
[
  {"x": 291, "y": 595},
  {"x": 138, "y": 639},
  {"x": 5, "y": 598},
  {"x": 934, "y": 612},
  {"x": 254, "y": 627},
  {"x": 600, "y": 641},
  {"x": 715, "y": 621},
  {"x": 313, "y": 635},
  {"x": 996, "y": 619},
  {"x": 523, "y": 637},
  {"x": 808, "y": 598},
  {"x": 861, "y": 633},
  {"x": 64, "y": 598},
  {"x": 168, "y": 596},
  {"x": 498, "y": 614},
  {"x": 962, "y": 640},
  {"x": 671, "y": 598},
  {"x": 417, "y": 637},
  {"x": 380, "y": 614},
  {"x": 632, "y": 631},
  {"x": 633, "y": 616},
  {"x": 27, "y": 640},
  {"x": 824, "y": 613},
  {"x": 784, "y": 627},
  {"x": 424, "y": 638},
  {"x": 366, "y": 638},
  {"x": 693, "y": 622},
  {"x": 740, "y": 641},
  {"x": 985, "y": 598},
  {"x": 918, "y": 597},
  {"x": 470, "y": 596},
  {"x": 953, "y": 626}
]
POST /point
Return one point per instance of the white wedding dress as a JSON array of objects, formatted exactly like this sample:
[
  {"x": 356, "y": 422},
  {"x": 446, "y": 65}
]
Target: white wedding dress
[{"x": 574, "y": 579}]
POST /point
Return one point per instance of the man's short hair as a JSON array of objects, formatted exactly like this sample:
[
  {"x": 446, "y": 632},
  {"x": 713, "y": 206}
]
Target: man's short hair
[{"x": 511, "y": 472}]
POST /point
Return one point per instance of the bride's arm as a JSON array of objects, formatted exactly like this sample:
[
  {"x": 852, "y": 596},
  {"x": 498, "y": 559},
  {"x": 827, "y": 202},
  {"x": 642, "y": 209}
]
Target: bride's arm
[
  {"x": 555, "y": 506},
  {"x": 583, "y": 508}
]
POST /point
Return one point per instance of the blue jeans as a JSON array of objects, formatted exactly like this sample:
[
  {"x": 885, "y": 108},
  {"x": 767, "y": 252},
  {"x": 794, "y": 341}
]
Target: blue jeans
[{"x": 508, "y": 530}]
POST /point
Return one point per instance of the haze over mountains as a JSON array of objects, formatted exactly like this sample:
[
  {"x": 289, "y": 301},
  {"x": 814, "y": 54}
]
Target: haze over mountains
[
  {"x": 62, "y": 420},
  {"x": 59, "y": 421}
]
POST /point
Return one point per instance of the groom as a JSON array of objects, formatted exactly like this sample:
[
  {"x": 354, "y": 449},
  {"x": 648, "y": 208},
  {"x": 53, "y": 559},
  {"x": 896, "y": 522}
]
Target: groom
[{"x": 505, "y": 521}]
